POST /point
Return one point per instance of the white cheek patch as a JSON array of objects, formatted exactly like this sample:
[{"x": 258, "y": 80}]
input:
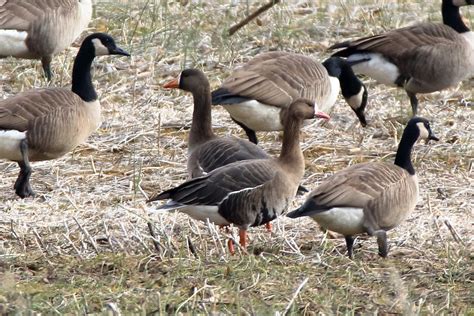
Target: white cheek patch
[
  {"x": 424, "y": 134},
  {"x": 13, "y": 43},
  {"x": 99, "y": 48},
  {"x": 355, "y": 101}
]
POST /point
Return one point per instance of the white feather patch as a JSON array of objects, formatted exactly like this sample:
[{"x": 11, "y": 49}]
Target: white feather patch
[
  {"x": 13, "y": 43},
  {"x": 378, "y": 67},
  {"x": 343, "y": 220},
  {"x": 328, "y": 102},
  {"x": 356, "y": 100},
  {"x": 205, "y": 212},
  {"x": 469, "y": 36},
  {"x": 255, "y": 115},
  {"x": 10, "y": 144},
  {"x": 424, "y": 134},
  {"x": 99, "y": 48}
]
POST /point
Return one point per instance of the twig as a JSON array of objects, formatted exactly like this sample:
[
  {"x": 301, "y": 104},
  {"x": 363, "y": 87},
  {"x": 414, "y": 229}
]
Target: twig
[
  {"x": 191, "y": 247},
  {"x": 156, "y": 243},
  {"x": 40, "y": 242},
  {"x": 86, "y": 233},
  {"x": 73, "y": 246},
  {"x": 12, "y": 228},
  {"x": 453, "y": 231},
  {"x": 252, "y": 16},
  {"x": 293, "y": 298}
]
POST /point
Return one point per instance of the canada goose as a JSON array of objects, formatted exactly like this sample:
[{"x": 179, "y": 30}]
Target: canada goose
[
  {"x": 206, "y": 151},
  {"x": 256, "y": 93},
  {"x": 44, "y": 124},
  {"x": 370, "y": 197},
  {"x": 250, "y": 192},
  {"x": 39, "y": 29},
  {"x": 422, "y": 58}
]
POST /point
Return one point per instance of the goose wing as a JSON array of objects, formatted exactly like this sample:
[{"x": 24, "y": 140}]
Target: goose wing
[
  {"x": 17, "y": 15},
  {"x": 357, "y": 186},
  {"x": 275, "y": 78},
  {"x": 394, "y": 44},
  {"x": 19, "y": 111},
  {"x": 220, "y": 183},
  {"x": 223, "y": 151}
]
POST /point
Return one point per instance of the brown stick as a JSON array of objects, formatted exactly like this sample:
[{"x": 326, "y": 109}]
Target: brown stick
[
  {"x": 156, "y": 243},
  {"x": 252, "y": 16}
]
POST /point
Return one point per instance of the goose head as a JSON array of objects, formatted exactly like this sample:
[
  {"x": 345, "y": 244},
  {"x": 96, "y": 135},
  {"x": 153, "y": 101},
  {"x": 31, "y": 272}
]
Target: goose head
[
  {"x": 189, "y": 80},
  {"x": 99, "y": 44},
  {"x": 420, "y": 128},
  {"x": 303, "y": 109},
  {"x": 353, "y": 90}
]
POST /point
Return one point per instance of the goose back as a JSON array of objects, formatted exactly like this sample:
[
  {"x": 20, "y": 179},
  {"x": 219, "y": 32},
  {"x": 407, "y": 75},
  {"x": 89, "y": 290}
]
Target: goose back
[
  {"x": 374, "y": 187},
  {"x": 279, "y": 78},
  {"x": 56, "y": 121}
]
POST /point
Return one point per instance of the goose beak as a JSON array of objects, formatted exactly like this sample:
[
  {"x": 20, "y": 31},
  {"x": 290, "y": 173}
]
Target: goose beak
[
  {"x": 361, "y": 116},
  {"x": 433, "y": 137},
  {"x": 322, "y": 115},
  {"x": 173, "y": 84},
  {"x": 118, "y": 51}
]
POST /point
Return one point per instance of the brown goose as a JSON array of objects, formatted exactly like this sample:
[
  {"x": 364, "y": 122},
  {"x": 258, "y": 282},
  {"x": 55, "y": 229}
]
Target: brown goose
[
  {"x": 370, "y": 197},
  {"x": 256, "y": 93},
  {"x": 44, "y": 124},
  {"x": 422, "y": 58},
  {"x": 206, "y": 150},
  {"x": 251, "y": 192},
  {"x": 39, "y": 29}
]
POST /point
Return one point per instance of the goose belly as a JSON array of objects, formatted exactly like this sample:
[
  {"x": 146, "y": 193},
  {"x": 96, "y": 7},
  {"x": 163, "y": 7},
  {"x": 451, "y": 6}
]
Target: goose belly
[
  {"x": 204, "y": 213},
  {"x": 329, "y": 99},
  {"x": 377, "y": 67},
  {"x": 255, "y": 115},
  {"x": 13, "y": 44},
  {"x": 343, "y": 220},
  {"x": 10, "y": 144}
]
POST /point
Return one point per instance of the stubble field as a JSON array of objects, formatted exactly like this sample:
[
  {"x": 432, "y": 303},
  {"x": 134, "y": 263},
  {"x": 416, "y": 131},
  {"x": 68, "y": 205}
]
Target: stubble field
[{"x": 84, "y": 244}]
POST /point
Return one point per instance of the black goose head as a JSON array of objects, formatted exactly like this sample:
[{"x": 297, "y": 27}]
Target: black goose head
[
  {"x": 98, "y": 44},
  {"x": 421, "y": 129},
  {"x": 353, "y": 90}
]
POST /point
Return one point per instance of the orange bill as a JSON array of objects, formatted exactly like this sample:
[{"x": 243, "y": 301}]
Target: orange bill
[{"x": 173, "y": 84}]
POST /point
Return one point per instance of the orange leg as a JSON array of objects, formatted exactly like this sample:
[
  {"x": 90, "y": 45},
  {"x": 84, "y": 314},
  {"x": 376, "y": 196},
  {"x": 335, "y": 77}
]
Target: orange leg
[
  {"x": 243, "y": 238},
  {"x": 268, "y": 226},
  {"x": 230, "y": 245}
]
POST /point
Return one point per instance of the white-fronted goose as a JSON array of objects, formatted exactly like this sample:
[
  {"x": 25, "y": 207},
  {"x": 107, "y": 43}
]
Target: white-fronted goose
[
  {"x": 251, "y": 192},
  {"x": 422, "y": 58},
  {"x": 44, "y": 124},
  {"x": 256, "y": 93},
  {"x": 206, "y": 151},
  {"x": 39, "y": 29},
  {"x": 370, "y": 197}
]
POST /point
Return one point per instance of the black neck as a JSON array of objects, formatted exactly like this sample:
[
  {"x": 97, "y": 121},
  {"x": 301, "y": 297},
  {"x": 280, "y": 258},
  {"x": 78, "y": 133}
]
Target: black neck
[
  {"x": 201, "y": 126},
  {"x": 452, "y": 18},
  {"x": 403, "y": 157},
  {"x": 350, "y": 84},
  {"x": 81, "y": 75}
]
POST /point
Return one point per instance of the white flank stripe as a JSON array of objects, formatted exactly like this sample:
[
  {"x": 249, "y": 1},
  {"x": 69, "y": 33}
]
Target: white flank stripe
[
  {"x": 343, "y": 220},
  {"x": 378, "y": 67},
  {"x": 13, "y": 43},
  {"x": 10, "y": 144},
  {"x": 255, "y": 115},
  {"x": 205, "y": 212}
]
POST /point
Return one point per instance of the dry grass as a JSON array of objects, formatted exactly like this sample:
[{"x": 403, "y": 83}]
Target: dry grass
[{"x": 83, "y": 245}]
